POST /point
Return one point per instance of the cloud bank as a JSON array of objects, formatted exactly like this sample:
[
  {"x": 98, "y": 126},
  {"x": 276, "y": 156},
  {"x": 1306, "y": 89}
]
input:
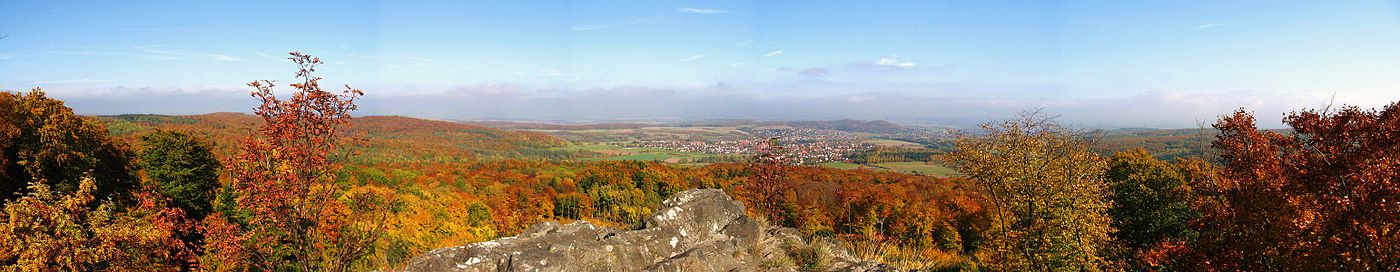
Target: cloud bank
[{"x": 948, "y": 104}]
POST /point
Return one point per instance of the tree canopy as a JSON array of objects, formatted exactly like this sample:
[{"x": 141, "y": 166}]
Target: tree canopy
[
  {"x": 1323, "y": 197},
  {"x": 1046, "y": 191},
  {"x": 183, "y": 168},
  {"x": 41, "y": 139}
]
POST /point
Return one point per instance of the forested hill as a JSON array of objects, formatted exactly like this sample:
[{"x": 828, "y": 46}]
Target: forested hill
[
  {"x": 1163, "y": 144},
  {"x": 876, "y": 126},
  {"x": 385, "y": 138}
]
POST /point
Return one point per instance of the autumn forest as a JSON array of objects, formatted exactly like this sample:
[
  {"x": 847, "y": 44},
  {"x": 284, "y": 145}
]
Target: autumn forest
[{"x": 304, "y": 184}]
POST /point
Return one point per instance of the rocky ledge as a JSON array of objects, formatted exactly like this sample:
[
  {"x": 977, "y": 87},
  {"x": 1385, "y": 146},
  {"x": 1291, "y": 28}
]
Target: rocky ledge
[{"x": 695, "y": 230}]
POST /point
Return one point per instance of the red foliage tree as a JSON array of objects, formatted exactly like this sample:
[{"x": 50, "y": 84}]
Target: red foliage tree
[
  {"x": 1321, "y": 198},
  {"x": 287, "y": 214},
  {"x": 768, "y": 185}
]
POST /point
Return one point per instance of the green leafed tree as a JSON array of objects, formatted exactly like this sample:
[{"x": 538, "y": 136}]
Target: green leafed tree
[
  {"x": 1152, "y": 204},
  {"x": 1046, "y": 190},
  {"x": 183, "y": 168}
]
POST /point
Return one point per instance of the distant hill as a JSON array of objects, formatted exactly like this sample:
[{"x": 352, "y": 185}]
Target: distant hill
[
  {"x": 876, "y": 126},
  {"x": 547, "y": 126},
  {"x": 386, "y": 138},
  {"x": 1161, "y": 143}
]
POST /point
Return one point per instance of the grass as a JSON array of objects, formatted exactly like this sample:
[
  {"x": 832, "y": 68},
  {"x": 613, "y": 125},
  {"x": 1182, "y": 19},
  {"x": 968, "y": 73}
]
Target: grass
[
  {"x": 811, "y": 256},
  {"x": 906, "y": 258}
]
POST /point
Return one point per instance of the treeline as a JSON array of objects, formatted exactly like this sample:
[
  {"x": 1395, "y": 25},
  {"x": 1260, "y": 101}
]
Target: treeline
[
  {"x": 893, "y": 154},
  {"x": 380, "y": 138}
]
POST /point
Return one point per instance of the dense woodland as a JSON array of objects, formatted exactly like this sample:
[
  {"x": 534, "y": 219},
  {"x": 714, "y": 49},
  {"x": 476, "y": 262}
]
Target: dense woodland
[{"x": 301, "y": 185}]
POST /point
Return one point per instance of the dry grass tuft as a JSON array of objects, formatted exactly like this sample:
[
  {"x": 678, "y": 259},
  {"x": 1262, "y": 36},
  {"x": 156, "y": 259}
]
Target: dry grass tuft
[{"x": 906, "y": 258}]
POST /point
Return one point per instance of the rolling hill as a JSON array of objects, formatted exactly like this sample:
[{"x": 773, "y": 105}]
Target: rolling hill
[{"x": 383, "y": 138}]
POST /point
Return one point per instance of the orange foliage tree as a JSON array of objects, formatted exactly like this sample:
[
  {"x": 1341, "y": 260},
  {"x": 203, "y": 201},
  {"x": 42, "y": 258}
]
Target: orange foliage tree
[
  {"x": 1321, "y": 198},
  {"x": 287, "y": 213}
]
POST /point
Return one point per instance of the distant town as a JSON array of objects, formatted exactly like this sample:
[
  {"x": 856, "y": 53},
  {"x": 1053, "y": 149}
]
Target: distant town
[{"x": 808, "y": 146}]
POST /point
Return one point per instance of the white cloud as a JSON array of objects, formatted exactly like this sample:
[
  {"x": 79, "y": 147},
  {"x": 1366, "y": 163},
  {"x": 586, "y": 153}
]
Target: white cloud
[
  {"x": 701, "y": 11},
  {"x": 156, "y": 51},
  {"x": 269, "y": 57},
  {"x": 893, "y": 63},
  {"x": 859, "y": 98},
  {"x": 774, "y": 53},
  {"x": 550, "y": 72},
  {"x": 691, "y": 58},
  {"x": 585, "y": 27},
  {"x": 1208, "y": 26},
  {"x": 743, "y": 43},
  {"x": 884, "y": 63}
]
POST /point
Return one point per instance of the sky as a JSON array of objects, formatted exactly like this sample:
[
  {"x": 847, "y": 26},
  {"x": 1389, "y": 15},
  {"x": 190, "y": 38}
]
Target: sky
[{"x": 1162, "y": 64}]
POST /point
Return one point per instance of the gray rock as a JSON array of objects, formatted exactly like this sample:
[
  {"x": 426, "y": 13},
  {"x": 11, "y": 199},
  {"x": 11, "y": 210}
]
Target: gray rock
[{"x": 695, "y": 230}]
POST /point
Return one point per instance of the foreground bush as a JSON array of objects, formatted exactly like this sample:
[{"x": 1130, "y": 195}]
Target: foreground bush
[{"x": 51, "y": 231}]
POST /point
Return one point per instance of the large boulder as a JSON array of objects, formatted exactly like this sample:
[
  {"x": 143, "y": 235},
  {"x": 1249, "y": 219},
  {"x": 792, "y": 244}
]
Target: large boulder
[{"x": 695, "y": 230}]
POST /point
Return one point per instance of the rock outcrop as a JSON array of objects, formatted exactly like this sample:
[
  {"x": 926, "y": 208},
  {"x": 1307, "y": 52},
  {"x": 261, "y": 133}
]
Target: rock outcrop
[{"x": 696, "y": 230}]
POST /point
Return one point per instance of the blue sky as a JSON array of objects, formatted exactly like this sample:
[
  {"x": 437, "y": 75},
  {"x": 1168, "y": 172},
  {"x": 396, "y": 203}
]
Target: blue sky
[{"x": 1115, "y": 64}]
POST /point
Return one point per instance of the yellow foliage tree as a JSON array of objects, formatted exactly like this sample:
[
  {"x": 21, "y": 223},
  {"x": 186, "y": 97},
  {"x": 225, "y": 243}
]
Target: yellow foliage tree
[
  {"x": 1046, "y": 191},
  {"x": 49, "y": 231}
]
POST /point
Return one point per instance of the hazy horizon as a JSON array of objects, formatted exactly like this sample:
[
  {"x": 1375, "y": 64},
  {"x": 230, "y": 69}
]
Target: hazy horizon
[{"x": 1139, "y": 64}]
